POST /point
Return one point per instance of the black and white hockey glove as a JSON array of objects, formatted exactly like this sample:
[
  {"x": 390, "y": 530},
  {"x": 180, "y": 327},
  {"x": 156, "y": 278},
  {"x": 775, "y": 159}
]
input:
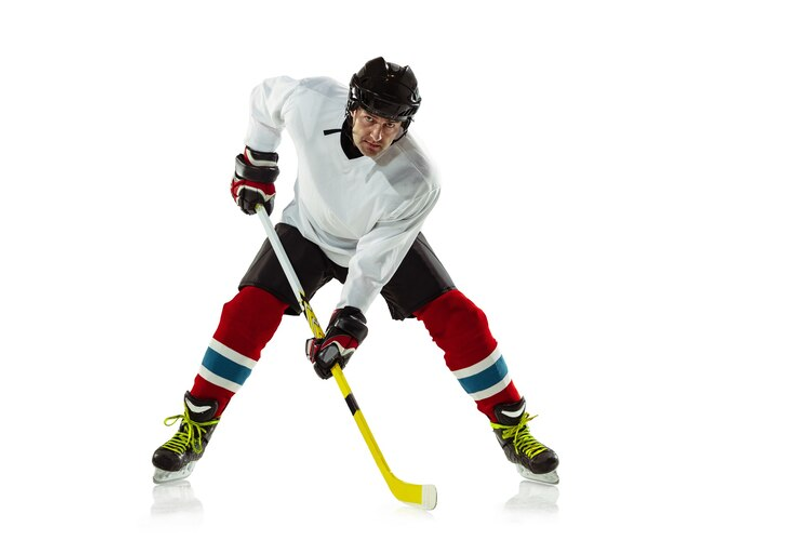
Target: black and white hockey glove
[
  {"x": 346, "y": 330},
  {"x": 254, "y": 180}
]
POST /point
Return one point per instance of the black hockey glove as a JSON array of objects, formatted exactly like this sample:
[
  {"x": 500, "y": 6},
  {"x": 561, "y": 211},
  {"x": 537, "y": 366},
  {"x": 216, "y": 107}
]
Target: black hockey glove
[
  {"x": 254, "y": 180},
  {"x": 346, "y": 330}
]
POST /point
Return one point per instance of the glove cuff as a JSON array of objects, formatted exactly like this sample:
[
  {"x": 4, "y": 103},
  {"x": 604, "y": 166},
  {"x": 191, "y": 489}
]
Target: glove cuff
[
  {"x": 259, "y": 174},
  {"x": 260, "y": 159},
  {"x": 350, "y": 321}
]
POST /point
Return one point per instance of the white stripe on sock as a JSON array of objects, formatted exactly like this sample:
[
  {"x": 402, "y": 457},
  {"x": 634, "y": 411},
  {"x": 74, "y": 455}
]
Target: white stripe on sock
[
  {"x": 480, "y": 366},
  {"x": 209, "y": 376},
  {"x": 233, "y": 355},
  {"x": 491, "y": 391}
]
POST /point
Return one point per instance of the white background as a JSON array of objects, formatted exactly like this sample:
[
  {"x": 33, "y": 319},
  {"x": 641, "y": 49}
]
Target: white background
[{"x": 620, "y": 198}]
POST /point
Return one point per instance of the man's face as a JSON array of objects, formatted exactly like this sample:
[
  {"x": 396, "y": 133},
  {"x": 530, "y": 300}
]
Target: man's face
[{"x": 372, "y": 134}]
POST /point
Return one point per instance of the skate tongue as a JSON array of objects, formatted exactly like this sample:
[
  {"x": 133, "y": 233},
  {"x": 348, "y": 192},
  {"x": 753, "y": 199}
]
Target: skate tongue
[
  {"x": 509, "y": 414},
  {"x": 200, "y": 410}
]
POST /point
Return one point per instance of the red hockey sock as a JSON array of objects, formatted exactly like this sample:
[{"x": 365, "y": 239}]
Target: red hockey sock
[
  {"x": 460, "y": 328},
  {"x": 248, "y": 322}
]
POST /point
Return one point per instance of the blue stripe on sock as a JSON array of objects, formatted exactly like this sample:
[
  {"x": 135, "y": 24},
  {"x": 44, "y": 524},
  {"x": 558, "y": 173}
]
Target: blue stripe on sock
[
  {"x": 224, "y": 367},
  {"x": 486, "y": 378}
]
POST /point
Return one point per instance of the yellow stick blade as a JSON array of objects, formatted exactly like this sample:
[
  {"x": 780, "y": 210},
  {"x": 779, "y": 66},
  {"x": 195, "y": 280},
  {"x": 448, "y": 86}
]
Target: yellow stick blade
[{"x": 423, "y": 496}]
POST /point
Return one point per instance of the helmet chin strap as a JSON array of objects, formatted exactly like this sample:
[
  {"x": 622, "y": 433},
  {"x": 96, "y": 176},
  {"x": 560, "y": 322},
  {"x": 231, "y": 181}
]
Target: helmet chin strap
[{"x": 406, "y": 124}]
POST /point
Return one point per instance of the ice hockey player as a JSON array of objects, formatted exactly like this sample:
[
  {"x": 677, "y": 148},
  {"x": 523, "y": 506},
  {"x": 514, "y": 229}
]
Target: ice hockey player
[{"x": 364, "y": 188}]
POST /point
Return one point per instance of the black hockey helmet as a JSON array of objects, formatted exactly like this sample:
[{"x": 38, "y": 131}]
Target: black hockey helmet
[{"x": 385, "y": 89}]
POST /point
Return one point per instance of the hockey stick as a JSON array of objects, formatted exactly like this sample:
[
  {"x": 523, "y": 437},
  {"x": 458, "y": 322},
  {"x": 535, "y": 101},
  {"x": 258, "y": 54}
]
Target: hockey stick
[{"x": 423, "y": 496}]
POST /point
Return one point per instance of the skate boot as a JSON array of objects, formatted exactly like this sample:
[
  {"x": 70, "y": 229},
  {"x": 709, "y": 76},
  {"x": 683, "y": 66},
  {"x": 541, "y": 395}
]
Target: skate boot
[
  {"x": 534, "y": 460},
  {"x": 177, "y": 457}
]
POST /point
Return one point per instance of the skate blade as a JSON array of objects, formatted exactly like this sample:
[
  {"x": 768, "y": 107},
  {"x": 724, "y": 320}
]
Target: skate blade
[
  {"x": 165, "y": 476},
  {"x": 550, "y": 478}
]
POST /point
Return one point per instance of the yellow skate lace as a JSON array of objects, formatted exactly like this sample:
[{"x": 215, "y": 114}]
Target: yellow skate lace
[
  {"x": 190, "y": 434},
  {"x": 524, "y": 443}
]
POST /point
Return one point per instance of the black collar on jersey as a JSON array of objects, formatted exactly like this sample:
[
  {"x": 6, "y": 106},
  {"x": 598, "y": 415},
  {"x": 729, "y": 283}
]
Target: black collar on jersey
[{"x": 346, "y": 140}]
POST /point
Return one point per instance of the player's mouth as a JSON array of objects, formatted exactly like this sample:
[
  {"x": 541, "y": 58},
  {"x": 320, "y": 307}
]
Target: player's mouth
[{"x": 372, "y": 147}]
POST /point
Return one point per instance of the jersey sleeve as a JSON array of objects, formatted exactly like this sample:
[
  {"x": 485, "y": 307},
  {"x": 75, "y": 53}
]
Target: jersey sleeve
[
  {"x": 380, "y": 252},
  {"x": 270, "y": 101}
]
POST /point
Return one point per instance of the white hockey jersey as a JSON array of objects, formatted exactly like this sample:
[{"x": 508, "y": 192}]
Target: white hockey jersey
[{"x": 363, "y": 213}]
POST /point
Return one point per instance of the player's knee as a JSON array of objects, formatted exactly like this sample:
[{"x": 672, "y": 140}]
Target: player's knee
[
  {"x": 252, "y": 308},
  {"x": 452, "y": 312}
]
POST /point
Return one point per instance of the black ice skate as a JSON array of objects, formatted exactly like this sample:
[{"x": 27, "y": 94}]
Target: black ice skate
[
  {"x": 177, "y": 457},
  {"x": 534, "y": 460}
]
